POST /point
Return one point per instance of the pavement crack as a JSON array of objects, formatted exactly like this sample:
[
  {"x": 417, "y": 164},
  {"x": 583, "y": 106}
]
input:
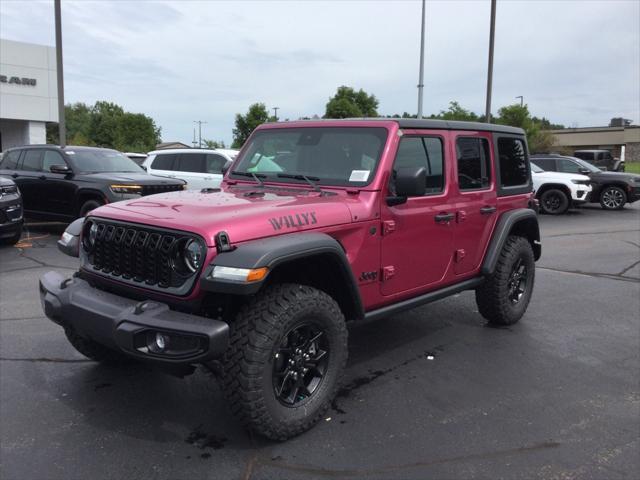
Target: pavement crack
[
  {"x": 629, "y": 268},
  {"x": 44, "y": 360},
  {"x": 610, "y": 276}
]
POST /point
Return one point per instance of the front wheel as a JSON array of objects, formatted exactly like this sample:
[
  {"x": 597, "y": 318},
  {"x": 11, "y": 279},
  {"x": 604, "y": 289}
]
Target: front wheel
[
  {"x": 503, "y": 298},
  {"x": 613, "y": 198},
  {"x": 88, "y": 206},
  {"x": 288, "y": 349},
  {"x": 554, "y": 202}
]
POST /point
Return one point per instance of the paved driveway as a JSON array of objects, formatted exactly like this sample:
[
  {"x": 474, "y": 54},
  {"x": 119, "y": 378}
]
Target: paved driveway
[{"x": 432, "y": 393}]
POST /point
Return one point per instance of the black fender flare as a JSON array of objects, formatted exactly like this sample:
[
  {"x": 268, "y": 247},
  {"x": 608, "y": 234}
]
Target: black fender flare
[
  {"x": 522, "y": 221},
  {"x": 275, "y": 251}
]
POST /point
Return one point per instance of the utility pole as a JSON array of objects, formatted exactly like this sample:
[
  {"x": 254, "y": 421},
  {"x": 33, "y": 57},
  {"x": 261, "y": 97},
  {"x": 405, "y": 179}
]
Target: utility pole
[
  {"x": 275, "y": 112},
  {"x": 199, "y": 122},
  {"x": 521, "y": 100},
  {"x": 62, "y": 127},
  {"x": 492, "y": 32},
  {"x": 194, "y": 137},
  {"x": 421, "y": 75}
]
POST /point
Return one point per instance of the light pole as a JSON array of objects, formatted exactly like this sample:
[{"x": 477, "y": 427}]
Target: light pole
[
  {"x": 421, "y": 74},
  {"x": 199, "y": 122},
  {"x": 521, "y": 100},
  {"x": 492, "y": 32},
  {"x": 275, "y": 112},
  {"x": 62, "y": 127}
]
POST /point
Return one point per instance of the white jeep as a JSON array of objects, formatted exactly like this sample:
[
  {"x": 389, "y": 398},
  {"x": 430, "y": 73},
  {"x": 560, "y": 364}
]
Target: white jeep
[{"x": 557, "y": 192}]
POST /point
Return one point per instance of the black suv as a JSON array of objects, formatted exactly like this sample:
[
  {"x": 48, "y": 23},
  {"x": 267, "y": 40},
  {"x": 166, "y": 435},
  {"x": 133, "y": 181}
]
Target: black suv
[
  {"x": 601, "y": 158},
  {"x": 65, "y": 183},
  {"x": 611, "y": 189},
  {"x": 10, "y": 212}
]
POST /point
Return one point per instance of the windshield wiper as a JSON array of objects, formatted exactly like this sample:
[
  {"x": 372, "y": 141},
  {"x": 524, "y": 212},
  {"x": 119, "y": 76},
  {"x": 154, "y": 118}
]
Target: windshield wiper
[
  {"x": 255, "y": 176},
  {"x": 310, "y": 180}
]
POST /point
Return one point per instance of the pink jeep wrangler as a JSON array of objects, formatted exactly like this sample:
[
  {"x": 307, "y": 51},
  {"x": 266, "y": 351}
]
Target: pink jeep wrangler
[{"x": 316, "y": 223}]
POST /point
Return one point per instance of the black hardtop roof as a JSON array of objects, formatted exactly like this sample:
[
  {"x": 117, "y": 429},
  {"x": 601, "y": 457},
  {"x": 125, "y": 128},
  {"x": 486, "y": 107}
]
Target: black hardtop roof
[{"x": 427, "y": 123}]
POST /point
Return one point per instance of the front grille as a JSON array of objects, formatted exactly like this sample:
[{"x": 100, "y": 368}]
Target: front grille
[
  {"x": 153, "y": 189},
  {"x": 139, "y": 255}
]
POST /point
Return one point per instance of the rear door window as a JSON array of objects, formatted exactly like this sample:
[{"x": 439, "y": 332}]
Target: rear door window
[
  {"x": 191, "y": 162},
  {"x": 514, "y": 167},
  {"x": 32, "y": 161},
  {"x": 474, "y": 163},
  {"x": 548, "y": 164},
  {"x": 164, "y": 161}
]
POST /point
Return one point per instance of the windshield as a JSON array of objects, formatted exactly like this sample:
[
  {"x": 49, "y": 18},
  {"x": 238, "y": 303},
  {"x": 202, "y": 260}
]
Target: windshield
[
  {"x": 535, "y": 168},
  {"x": 102, "y": 161},
  {"x": 587, "y": 165},
  {"x": 326, "y": 155}
]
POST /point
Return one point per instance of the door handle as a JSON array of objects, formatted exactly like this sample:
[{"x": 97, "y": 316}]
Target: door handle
[
  {"x": 488, "y": 210},
  {"x": 15, "y": 175},
  {"x": 444, "y": 217},
  {"x": 42, "y": 177}
]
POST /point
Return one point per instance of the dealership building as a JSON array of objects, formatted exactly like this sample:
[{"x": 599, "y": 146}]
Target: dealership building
[{"x": 28, "y": 92}]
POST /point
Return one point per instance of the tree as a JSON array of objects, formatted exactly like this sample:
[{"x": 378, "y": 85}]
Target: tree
[
  {"x": 214, "y": 144},
  {"x": 347, "y": 103},
  {"x": 538, "y": 138},
  {"x": 456, "y": 112},
  {"x": 245, "y": 124},
  {"x": 106, "y": 124}
]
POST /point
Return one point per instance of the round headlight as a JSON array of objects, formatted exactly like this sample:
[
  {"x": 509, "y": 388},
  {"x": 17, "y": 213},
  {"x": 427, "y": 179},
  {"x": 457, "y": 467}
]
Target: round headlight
[
  {"x": 93, "y": 233},
  {"x": 193, "y": 255}
]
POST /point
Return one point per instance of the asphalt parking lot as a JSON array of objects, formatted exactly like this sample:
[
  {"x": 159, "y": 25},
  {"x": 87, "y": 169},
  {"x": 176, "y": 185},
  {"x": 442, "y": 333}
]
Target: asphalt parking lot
[{"x": 432, "y": 393}]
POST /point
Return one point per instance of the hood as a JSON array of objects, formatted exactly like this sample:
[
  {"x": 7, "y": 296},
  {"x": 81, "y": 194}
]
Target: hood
[
  {"x": 244, "y": 213},
  {"x": 559, "y": 175},
  {"x": 131, "y": 177},
  {"x": 620, "y": 176},
  {"x": 5, "y": 182}
]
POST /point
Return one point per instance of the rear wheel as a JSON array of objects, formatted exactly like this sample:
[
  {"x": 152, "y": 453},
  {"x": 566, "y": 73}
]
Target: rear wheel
[
  {"x": 287, "y": 353},
  {"x": 505, "y": 295},
  {"x": 554, "y": 201},
  {"x": 88, "y": 206},
  {"x": 612, "y": 198}
]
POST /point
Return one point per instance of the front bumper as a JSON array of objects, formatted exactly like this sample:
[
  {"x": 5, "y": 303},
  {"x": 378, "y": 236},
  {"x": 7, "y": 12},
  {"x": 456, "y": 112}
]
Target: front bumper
[
  {"x": 125, "y": 325},
  {"x": 11, "y": 219}
]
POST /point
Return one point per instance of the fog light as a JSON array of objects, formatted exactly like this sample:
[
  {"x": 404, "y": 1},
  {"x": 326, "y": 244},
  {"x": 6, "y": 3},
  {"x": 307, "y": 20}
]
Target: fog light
[{"x": 161, "y": 341}]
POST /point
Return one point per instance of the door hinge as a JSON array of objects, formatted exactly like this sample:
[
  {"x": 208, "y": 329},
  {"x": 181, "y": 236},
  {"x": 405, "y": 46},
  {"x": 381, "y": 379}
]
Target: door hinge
[
  {"x": 460, "y": 254},
  {"x": 462, "y": 216},
  {"x": 388, "y": 272},
  {"x": 388, "y": 226}
]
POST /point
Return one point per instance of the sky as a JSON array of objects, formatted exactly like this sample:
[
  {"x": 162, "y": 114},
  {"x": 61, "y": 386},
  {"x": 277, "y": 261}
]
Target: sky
[{"x": 575, "y": 62}]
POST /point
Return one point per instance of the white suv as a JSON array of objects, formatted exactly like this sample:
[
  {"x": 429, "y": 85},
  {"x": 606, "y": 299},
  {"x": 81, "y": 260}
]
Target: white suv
[
  {"x": 200, "y": 168},
  {"x": 557, "y": 191}
]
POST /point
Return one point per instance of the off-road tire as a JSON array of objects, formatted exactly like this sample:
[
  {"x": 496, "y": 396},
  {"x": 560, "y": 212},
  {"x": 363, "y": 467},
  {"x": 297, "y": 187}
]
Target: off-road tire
[
  {"x": 247, "y": 367},
  {"x": 88, "y": 206},
  {"x": 554, "y": 202},
  {"x": 12, "y": 240},
  {"x": 613, "y": 198},
  {"x": 492, "y": 297},
  {"x": 94, "y": 350}
]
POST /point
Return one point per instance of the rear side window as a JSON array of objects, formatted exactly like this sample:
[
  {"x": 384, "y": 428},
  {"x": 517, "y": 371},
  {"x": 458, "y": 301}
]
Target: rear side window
[
  {"x": 10, "y": 160},
  {"x": 583, "y": 155},
  {"x": 215, "y": 163},
  {"x": 514, "y": 169},
  {"x": 423, "y": 152},
  {"x": 191, "y": 162},
  {"x": 31, "y": 162},
  {"x": 164, "y": 161},
  {"x": 548, "y": 164},
  {"x": 474, "y": 166}
]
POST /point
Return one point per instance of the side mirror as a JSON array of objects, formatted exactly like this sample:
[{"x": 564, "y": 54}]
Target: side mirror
[
  {"x": 585, "y": 171},
  {"x": 143, "y": 167},
  {"x": 409, "y": 182},
  {"x": 63, "y": 169},
  {"x": 226, "y": 166}
]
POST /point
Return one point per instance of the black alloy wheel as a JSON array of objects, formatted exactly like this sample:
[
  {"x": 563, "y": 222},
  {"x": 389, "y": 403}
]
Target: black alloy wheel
[
  {"x": 517, "y": 281},
  {"x": 554, "y": 202},
  {"x": 300, "y": 364}
]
